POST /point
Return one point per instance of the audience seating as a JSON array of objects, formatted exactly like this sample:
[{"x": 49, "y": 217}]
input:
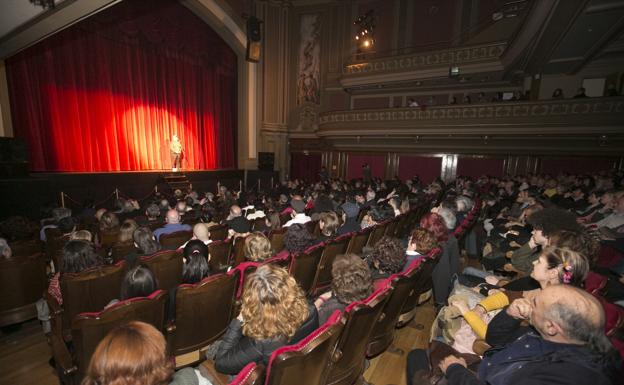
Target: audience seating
[
  {"x": 347, "y": 364},
  {"x": 258, "y": 224},
  {"x": 238, "y": 251},
  {"x": 277, "y": 239},
  {"x": 323, "y": 276},
  {"x": 220, "y": 252},
  {"x": 218, "y": 232},
  {"x": 359, "y": 240},
  {"x": 384, "y": 330},
  {"x": 314, "y": 228},
  {"x": 120, "y": 250},
  {"x": 377, "y": 233},
  {"x": 423, "y": 285},
  {"x": 252, "y": 374},
  {"x": 303, "y": 267},
  {"x": 166, "y": 266},
  {"x": 284, "y": 218},
  {"x": 108, "y": 238},
  {"x": 402, "y": 228},
  {"x": 174, "y": 240},
  {"x": 307, "y": 360},
  {"x": 391, "y": 227},
  {"x": 203, "y": 312},
  {"x": 22, "y": 281},
  {"x": 26, "y": 247},
  {"x": 86, "y": 291},
  {"x": 88, "y": 329}
]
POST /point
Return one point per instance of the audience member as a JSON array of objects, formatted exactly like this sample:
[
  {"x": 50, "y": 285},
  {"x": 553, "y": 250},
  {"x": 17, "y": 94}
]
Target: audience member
[{"x": 274, "y": 312}]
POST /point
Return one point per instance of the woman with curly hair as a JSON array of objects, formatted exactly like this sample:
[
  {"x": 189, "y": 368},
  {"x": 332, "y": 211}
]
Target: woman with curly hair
[
  {"x": 352, "y": 281},
  {"x": 274, "y": 313},
  {"x": 136, "y": 353},
  {"x": 257, "y": 247},
  {"x": 386, "y": 258}
]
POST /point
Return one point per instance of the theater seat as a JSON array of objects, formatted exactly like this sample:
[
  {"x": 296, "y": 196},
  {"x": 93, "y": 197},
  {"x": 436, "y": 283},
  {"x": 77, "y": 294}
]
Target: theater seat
[
  {"x": 347, "y": 364},
  {"x": 87, "y": 291},
  {"x": 277, "y": 239},
  {"x": 303, "y": 267},
  {"x": 203, "y": 312},
  {"x": 22, "y": 281},
  {"x": 359, "y": 240},
  {"x": 307, "y": 361},
  {"x": 220, "y": 252},
  {"x": 174, "y": 240},
  {"x": 403, "y": 284},
  {"x": 422, "y": 286},
  {"x": 88, "y": 329},
  {"x": 323, "y": 277},
  {"x": 166, "y": 266},
  {"x": 218, "y": 232}
]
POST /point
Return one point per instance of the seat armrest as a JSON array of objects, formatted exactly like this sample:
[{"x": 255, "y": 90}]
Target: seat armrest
[
  {"x": 61, "y": 355},
  {"x": 208, "y": 370}
]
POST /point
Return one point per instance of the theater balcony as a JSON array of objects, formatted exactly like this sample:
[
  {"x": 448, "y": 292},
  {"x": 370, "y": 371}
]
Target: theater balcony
[{"x": 565, "y": 126}]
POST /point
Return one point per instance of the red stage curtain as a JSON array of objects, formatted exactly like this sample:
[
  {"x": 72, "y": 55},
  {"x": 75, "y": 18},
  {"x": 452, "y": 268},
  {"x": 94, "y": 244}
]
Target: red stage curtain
[{"x": 108, "y": 93}]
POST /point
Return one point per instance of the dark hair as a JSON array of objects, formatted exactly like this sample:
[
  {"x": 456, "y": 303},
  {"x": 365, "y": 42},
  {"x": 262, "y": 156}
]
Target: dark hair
[
  {"x": 153, "y": 210},
  {"x": 66, "y": 225},
  {"x": 78, "y": 256},
  {"x": 352, "y": 280},
  {"x": 138, "y": 282},
  {"x": 298, "y": 239},
  {"x": 196, "y": 265},
  {"x": 144, "y": 238},
  {"x": 581, "y": 242},
  {"x": 388, "y": 256},
  {"x": 553, "y": 219}
]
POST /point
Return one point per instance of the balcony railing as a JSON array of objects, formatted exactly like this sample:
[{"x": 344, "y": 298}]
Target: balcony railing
[
  {"x": 426, "y": 60},
  {"x": 580, "y": 113}
]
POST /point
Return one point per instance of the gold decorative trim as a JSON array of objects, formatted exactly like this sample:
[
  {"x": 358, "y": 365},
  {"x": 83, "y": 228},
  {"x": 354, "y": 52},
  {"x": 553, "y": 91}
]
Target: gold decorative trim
[{"x": 480, "y": 53}]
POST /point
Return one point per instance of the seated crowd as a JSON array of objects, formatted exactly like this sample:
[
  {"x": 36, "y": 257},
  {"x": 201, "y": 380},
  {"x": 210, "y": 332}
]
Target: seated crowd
[{"x": 530, "y": 268}]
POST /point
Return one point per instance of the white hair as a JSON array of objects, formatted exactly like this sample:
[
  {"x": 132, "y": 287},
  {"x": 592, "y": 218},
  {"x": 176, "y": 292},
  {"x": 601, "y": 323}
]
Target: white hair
[{"x": 448, "y": 217}]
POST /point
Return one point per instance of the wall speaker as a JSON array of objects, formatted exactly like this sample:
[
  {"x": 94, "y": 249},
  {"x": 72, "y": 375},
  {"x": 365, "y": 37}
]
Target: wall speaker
[{"x": 266, "y": 161}]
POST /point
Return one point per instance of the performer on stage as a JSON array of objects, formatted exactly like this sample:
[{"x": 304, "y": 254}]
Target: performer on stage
[{"x": 176, "y": 152}]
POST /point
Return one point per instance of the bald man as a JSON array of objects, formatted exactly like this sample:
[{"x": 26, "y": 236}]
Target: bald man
[
  {"x": 173, "y": 224},
  {"x": 565, "y": 343},
  {"x": 236, "y": 221}
]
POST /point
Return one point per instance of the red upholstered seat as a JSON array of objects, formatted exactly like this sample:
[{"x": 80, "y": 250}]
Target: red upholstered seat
[
  {"x": 333, "y": 248},
  {"x": 307, "y": 361},
  {"x": 359, "y": 240},
  {"x": 166, "y": 266},
  {"x": 252, "y": 374},
  {"x": 423, "y": 284},
  {"x": 203, "y": 312},
  {"x": 595, "y": 282},
  {"x": 303, "y": 267},
  {"x": 348, "y": 363}
]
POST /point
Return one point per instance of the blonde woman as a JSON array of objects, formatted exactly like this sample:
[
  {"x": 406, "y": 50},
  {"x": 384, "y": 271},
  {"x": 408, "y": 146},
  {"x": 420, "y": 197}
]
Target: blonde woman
[
  {"x": 257, "y": 247},
  {"x": 274, "y": 313}
]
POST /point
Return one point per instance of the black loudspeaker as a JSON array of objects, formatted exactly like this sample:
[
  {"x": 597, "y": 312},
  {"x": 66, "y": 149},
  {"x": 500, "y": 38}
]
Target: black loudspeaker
[
  {"x": 13, "y": 158},
  {"x": 266, "y": 161}
]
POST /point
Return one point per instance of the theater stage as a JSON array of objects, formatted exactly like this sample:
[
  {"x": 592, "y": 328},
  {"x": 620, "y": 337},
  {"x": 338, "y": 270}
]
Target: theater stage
[{"x": 25, "y": 195}]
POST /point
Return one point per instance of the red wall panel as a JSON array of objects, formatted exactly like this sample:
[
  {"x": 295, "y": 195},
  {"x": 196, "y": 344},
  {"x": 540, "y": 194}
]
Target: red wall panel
[
  {"x": 377, "y": 164},
  {"x": 475, "y": 167},
  {"x": 426, "y": 167},
  {"x": 576, "y": 165}
]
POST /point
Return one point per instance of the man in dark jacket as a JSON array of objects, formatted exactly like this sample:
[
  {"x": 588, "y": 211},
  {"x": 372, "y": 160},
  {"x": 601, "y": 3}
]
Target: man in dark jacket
[{"x": 565, "y": 345}]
